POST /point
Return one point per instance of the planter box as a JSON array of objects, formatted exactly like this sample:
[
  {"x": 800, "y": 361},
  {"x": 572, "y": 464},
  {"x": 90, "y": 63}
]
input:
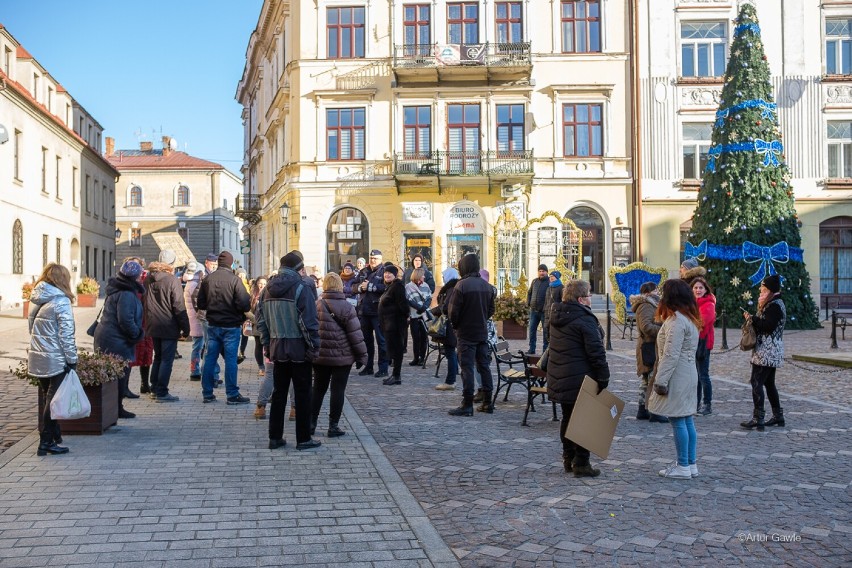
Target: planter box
[
  {"x": 104, "y": 401},
  {"x": 87, "y": 300},
  {"x": 510, "y": 329}
]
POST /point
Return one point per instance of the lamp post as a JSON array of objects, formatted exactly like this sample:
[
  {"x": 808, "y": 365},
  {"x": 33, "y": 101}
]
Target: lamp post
[
  {"x": 285, "y": 220},
  {"x": 117, "y": 233}
]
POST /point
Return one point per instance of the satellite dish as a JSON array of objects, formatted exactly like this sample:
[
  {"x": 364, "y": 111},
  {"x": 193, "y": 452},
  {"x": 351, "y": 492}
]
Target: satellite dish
[{"x": 173, "y": 145}]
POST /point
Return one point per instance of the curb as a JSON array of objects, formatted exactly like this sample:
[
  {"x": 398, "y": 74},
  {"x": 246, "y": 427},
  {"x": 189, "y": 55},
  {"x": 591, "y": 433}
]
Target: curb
[{"x": 18, "y": 448}]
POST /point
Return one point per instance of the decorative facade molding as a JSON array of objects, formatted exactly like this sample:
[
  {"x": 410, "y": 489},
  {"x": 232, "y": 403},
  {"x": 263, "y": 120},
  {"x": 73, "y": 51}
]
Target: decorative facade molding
[
  {"x": 838, "y": 94},
  {"x": 416, "y": 212},
  {"x": 700, "y": 96}
]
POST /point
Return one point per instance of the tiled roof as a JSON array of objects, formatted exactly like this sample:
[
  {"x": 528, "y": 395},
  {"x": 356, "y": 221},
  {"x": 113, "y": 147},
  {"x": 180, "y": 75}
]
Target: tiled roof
[
  {"x": 23, "y": 53},
  {"x": 154, "y": 159}
]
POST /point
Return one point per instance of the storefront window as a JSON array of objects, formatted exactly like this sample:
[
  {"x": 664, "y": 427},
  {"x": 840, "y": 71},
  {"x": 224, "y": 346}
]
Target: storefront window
[
  {"x": 348, "y": 235},
  {"x": 418, "y": 243}
]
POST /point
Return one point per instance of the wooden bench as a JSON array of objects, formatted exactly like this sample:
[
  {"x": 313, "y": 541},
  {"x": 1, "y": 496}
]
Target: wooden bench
[{"x": 537, "y": 388}]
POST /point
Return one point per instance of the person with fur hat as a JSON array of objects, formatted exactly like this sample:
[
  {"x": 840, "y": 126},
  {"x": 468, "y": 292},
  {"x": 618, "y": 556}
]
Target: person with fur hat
[
  {"x": 225, "y": 299},
  {"x": 393, "y": 316},
  {"x": 120, "y": 326},
  {"x": 644, "y": 306},
  {"x": 371, "y": 286},
  {"x": 690, "y": 269},
  {"x": 470, "y": 307},
  {"x": 536, "y": 299},
  {"x": 768, "y": 353}
]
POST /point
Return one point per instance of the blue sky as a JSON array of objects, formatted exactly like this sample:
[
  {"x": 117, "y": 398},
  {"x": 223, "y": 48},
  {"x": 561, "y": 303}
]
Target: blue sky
[{"x": 147, "y": 69}]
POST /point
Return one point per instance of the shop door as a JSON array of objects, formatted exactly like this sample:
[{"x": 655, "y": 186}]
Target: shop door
[
  {"x": 418, "y": 243},
  {"x": 460, "y": 245},
  {"x": 591, "y": 224}
]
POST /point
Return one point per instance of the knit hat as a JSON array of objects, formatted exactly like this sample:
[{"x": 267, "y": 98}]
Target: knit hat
[
  {"x": 689, "y": 263},
  {"x": 167, "y": 256},
  {"x": 772, "y": 283},
  {"x": 542, "y": 267},
  {"x": 212, "y": 257},
  {"x": 291, "y": 260},
  {"x": 361, "y": 260},
  {"x": 349, "y": 265},
  {"x": 131, "y": 269},
  {"x": 557, "y": 274},
  {"x": 392, "y": 269},
  {"x": 225, "y": 259}
]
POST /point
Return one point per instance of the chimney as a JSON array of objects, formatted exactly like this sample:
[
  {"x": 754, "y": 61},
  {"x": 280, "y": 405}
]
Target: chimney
[
  {"x": 166, "y": 148},
  {"x": 110, "y": 146},
  {"x": 146, "y": 146}
]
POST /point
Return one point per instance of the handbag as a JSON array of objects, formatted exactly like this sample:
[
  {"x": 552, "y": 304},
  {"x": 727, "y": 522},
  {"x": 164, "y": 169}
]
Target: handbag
[
  {"x": 649, "y": 353},
  {"x": 70, "y": 401},
  {"x": 91, "y": 331},
  {"x": 437, "y": 328},
  {"x": 248, "y": 328},
  {"x": 749, "y": 338},
  {"x": 542, "y": 361}
]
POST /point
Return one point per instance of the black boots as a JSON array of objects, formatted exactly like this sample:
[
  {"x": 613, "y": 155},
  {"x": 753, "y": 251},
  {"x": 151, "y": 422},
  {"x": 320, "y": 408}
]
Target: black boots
[
  {"x": 584, "y": 470},
  {"x": 777, "y": 418},
  {"x": 756, "y": 421},
  {"x": 466, "y": 408},
  {"x": 486, "y": 405},
  {"x": 48, "y": 445},
  {"x": 567, "y": 458},
  {"x": 642, "y": 413},
  {"x": 334, "y": 430}
]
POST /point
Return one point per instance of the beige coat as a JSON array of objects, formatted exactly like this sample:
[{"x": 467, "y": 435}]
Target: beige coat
[
  {"x": 676, "y": 345},
  {"x": 645, "y": 307}
]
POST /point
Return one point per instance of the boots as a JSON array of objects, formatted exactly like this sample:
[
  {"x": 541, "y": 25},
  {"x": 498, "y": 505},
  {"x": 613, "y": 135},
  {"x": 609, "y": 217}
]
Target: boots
[
  {"x": 584, "y": 469},
  {"x": 260, "y": 412},
  {"x": 642, "y": 413},
  {"x": 705, "y": 410},
  {"x": 756, "y": 421},
  {"x": 334, "y": 430},
  {"x": 466, "y": 408},
  {"x": 486, "y": 405},
  {"x": 657, "y": 418},
  {"x": 567, "y": 458},
  {"x": 49, "y": 446},
  {"x": 777, "y": 418},
  {"x": 122, "y": 413},
  {"x": 144, "y": 387},
  {"x": 478, "y": 396}
]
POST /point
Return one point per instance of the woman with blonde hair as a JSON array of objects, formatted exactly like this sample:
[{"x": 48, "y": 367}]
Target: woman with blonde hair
[
  {"x": 53, "y": 349},
  {"x": 675, "y": 382}
]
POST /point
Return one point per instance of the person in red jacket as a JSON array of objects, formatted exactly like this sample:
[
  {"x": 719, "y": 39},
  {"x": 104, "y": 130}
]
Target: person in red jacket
[{"x": 707, "y": 307}]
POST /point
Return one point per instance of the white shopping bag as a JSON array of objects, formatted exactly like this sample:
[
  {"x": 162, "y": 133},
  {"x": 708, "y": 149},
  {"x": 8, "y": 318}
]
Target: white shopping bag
[{"x": 70, "y": 401}]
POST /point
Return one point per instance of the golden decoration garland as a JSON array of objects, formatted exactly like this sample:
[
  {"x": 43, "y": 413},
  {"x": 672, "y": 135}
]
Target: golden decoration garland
[{"x": 618, "y": 296}]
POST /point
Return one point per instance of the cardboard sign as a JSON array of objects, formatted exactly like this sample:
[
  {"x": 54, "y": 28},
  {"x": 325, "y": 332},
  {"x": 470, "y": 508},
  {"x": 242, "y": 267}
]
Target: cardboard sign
[{"x": 594, "y": 419}]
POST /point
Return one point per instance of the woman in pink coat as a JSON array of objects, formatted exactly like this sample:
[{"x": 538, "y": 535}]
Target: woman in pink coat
[{"x": 707, "y": 307}]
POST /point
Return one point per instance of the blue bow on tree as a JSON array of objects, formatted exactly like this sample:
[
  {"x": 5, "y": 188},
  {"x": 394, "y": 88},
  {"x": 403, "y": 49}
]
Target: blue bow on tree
[
  {"x": 770, "y": 151},
  {"x": 779, "y": 252},
  {"x": 692, "y": 251},
  {"x": 713, "y": 153}
]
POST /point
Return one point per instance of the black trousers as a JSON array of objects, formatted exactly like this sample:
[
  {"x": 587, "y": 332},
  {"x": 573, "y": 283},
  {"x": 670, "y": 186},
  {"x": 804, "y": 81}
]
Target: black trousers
[
  {"x": 419, "y": 338},
  {"x": 337, "y": 377},
  {"x": 49, "y": 385},
  {"x": 763, "y": 378},
  {"x": 258, "y": 352},
  {"x": 161, "y": 370},
  {"x": 369, "y": 326},
  {"x": 395, "y": 348},
  {"x": 575, "y": 452},
  {"x": 282, "y": 374}
]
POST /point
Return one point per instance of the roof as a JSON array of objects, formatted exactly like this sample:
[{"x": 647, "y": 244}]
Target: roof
[
  {"x": 22, "y": 53},
  {"x": 154, "y": 159}
]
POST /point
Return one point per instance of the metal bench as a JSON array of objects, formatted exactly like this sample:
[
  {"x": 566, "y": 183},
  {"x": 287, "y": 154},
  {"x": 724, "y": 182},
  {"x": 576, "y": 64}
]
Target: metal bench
[{"x": 844, "y": 314}]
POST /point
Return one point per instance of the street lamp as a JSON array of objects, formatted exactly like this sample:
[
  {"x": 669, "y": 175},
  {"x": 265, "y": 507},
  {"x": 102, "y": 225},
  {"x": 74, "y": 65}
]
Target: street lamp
[
  {"x": 117, "y": 233},
  {"x": 285, "y": 212}
]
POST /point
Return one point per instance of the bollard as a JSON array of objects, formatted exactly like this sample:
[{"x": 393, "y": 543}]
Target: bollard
[
  {"x": 833, "y": 329},
  {"x": 608, "y": 328},
  {"x": 724, "y": 329},
  {"x": 826, "y": 307}
]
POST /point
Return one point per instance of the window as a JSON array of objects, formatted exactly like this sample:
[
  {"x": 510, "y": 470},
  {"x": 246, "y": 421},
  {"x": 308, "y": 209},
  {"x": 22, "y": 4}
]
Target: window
[
  {"x": 86, "y": 267},
  {"x": 463, "y": 22},
  {"x": 510, "y": 129},
  {"x": 345, "y": 131},
  {"x": 416, "y": 29},
  {"x": 135, "y": 237},
  {"x": 509, "y": 21},
  {"x": 184, "y": 234},
  {"x": 104, "y": 202},
  {"x": 95, "y": 197},
  {"x": 17, "y": 151},
  {"x": 581, "y": 26},
  {"x": 58, "y": 250},
  {"x": 702, "y": 49},
  {"x": 135, "y": 196},
  {"x": 695, "y": 149},
  {"x": 840, "y": 149},
  {"x": 17, "y": 247},
  {"x": 74, "y": 187},
  {"x": 36, "y": 94},
  {"x": 345, "y": 33},
  {"x": 95, "y": 265},
  {"x": 43, "y": 169},
  {"x": 418, "y": 130},
  {"x": 88, "y": 194},
  {"x": 50, "y": 99},
  {"x": 103, "y": 264},
  {"x": 182, "y": 196},
  {"x": 835, "y": 256},
  {"x": 582, "y": 130},
  {"x": 463, "y": 138},
  {"x": 7, "y": 61},
  {"x": 58, "y": 168},
  {"x": 44, "y": 240},
  {"x": 838, "y": 47}
]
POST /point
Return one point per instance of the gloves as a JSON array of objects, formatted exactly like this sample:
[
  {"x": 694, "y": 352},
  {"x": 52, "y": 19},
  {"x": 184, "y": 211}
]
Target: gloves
[
  {"x": 358, "y": 364},
  {"x": 661, "y": 390},
  {"x": 602, "y": 385},
  {"x": 371, "y": 287}
]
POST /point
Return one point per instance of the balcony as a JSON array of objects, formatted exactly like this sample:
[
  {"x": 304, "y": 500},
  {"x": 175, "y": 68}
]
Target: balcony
[
  {"x": 426, "y": 169},
  {"x": 248, "y": 208},
  {"x": 434, "y": 63}
]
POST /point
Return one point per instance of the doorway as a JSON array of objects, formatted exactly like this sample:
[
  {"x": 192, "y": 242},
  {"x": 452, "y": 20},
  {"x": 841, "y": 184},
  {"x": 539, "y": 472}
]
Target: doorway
[
  {"x": 591, "y": 224},
  {"x": 348, "y": 237},
  {"x": 835, "y": 260}
]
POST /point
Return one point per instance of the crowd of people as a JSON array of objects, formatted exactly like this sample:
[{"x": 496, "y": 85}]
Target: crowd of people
[{"x": 309, "y": 333}]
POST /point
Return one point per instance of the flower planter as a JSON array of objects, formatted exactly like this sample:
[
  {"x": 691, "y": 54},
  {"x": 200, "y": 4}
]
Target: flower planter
[
  {"x": 104, "y": 401},
  {"x": 510, "y": 329},
  {"x": 87, "y": 300}
]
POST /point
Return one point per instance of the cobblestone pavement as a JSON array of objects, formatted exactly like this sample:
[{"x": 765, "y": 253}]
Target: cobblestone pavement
[{"x": 194, "y": 485}]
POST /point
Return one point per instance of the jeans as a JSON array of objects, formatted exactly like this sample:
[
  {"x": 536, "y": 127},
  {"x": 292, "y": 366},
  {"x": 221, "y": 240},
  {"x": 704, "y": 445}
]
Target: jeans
[
  {"x": 51, "y": 427},
  {"x": 703, "y": 365},
  {"x": 369, "y": 325},
  {"x": 300, "y": 373},
  {"x": 686, "y": 439},
  {"x": 452, "y": 365},
  {"x": 536, "y": 318},
  {"x": 571, "y": 451},
  {"x": 205, "y": 327},
  {"x": 224, "y": 340},
  {"x": 419, "y": 338},
  {"x": 161, "y": 369},
  {"x": 764, "y": 378},
  {"x": 196, "y": 357},
  {"x": 337, "y": 377},
  {"x": 474, "y": 355}
]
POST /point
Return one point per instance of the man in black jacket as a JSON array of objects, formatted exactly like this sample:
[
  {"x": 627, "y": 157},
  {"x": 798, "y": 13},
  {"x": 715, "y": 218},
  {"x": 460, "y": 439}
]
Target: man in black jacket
[
  {"x": 536, "y": 298},
  {"x": 224, "y": 296},
  {"x": 371, "y": 286},
  {"x": 470, "y": 307}
]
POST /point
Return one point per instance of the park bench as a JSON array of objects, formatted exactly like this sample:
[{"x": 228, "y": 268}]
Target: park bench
[
  {"x": 844, "y": 314},
  {"x": 519, "y": 369}
]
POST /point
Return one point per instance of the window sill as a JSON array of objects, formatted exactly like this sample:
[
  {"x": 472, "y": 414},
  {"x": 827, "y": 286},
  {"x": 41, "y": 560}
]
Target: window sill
[
  {"x": 699, "y": 81},
  {"x": 838, "y": 183},
  {"x": 690, "y": 184},
  {"x": 835, "y": 78}
]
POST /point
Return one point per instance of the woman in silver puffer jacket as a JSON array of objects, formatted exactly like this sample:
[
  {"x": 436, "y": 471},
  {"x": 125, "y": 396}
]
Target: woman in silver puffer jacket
[{"x": 53, "y": 349}]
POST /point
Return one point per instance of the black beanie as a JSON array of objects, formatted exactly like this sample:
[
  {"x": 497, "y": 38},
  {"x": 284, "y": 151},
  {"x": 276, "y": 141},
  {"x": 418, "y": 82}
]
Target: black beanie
[
  {"x": 392, "y": 269},
  {"x": 773, "y": 283},
  {"x": 542, "y": 267},
  {"x": 226, "y": 259},
  {"x": 293, "y": 261}
]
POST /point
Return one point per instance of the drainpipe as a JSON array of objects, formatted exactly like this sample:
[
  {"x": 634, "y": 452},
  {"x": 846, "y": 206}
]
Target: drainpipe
[{"x": 636, "y": 211}]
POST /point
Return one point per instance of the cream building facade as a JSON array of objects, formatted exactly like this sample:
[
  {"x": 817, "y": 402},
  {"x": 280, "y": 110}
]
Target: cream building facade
[
  {"x": 683, "y": 53},
  {"x": 56, "y": 189},
  {"x": 411, "y": 126}
]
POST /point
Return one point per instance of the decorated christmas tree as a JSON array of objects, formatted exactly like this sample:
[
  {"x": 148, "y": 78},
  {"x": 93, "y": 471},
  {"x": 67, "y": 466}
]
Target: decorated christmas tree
[{"x": 745, "y": 225}]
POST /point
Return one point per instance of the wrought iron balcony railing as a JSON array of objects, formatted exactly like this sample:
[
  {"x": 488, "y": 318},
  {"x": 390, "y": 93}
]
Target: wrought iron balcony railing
[
  {"x": 490, "y": 54},
  {"x": 248, "y": 208},
  {"x": 459, "y": 163}
]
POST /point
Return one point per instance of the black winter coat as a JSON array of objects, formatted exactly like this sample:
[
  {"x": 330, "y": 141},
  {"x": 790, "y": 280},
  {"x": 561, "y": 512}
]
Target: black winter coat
[
  {"x": 576, "y": 349},
  {"x": 281, "y": 333},
  {"x": 393, "y": 308},
  {"x": 120, "y": 326},
  {"x": 471, "y": 305},
  {"x": 165, "y": 310},
  {"x": 537, "y": 294},
  {"x": 339, "y": 346},
  {"x": 223, "y": 295},
  {"x": 375, "y": 280}
]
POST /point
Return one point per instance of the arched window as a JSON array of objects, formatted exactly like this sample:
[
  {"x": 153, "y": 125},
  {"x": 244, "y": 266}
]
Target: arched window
[
  {"x": 182, "y": 198},
  {"x": 17, "y": 247},
  {"x": 135, "y": 196},
  {"x": 348, "y": 234}
]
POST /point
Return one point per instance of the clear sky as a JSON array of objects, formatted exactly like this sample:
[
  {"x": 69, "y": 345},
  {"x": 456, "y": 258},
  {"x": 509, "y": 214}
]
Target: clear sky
[{"x": 147, "y": 69}]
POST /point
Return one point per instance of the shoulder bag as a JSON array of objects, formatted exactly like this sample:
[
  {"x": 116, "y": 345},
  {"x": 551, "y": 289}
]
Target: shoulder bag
[
  {"x": 91, "y": 331},
  {"x": 437, "y": 328}
]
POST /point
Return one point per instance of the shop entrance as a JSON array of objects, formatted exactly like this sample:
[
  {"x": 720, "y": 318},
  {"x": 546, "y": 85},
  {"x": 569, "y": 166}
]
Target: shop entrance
[
  {"x": 348, "y": 237},
  {"x": 460, "y": 245},
  {"x": 418, "y": 243},
  {"x": 591, "y": 224}
]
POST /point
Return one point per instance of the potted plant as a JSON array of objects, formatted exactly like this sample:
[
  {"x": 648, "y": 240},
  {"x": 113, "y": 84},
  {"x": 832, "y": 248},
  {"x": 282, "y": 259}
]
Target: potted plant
[
  {"x": 98, "y": 374},
  {"x": 26, "y": 292},
  {"x": 512, "y": 313},
  {"x": 87, "y": 292}
]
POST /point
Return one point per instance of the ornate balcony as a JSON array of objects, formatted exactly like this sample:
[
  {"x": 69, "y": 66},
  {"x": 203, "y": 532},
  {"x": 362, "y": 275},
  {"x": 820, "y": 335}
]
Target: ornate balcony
[
  {"x": 483, "y": 167},
  {"x": 433, "y": 63},
  {"x": 248, "y": 208}
]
